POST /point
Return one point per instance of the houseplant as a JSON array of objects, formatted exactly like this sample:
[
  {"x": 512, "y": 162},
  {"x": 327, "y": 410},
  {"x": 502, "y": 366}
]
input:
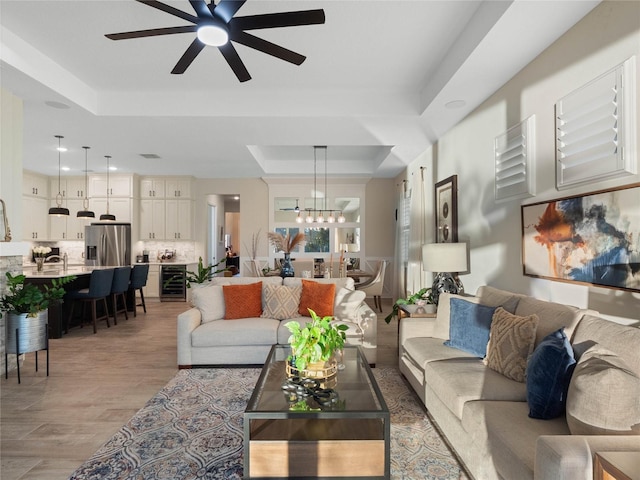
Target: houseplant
[
  {"x": 28, "y": 298},
  {"x": 423, "y": 296},
  {"x": 203, "y": 274},
  {"x": 316, "y": 341}
]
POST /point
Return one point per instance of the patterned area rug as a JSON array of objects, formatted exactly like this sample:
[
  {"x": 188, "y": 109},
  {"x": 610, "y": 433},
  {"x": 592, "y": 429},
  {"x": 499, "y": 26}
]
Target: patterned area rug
[{"x": 192, "y": 429}]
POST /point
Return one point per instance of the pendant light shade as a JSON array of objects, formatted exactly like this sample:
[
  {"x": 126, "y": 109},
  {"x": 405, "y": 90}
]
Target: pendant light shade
[
  {"x": 85, "y": 212},
  {"x": 107, "y": 216},
  {"x": 59, "y": 210}
]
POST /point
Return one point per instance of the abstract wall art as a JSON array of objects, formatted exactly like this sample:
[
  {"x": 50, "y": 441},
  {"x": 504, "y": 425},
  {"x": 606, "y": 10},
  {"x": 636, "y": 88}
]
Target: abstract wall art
[{"x": 592, "y": 238}]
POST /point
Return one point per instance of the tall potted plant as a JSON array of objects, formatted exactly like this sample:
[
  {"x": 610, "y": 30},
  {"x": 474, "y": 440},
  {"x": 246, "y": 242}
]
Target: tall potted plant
[{"x": 316, "y": 342}]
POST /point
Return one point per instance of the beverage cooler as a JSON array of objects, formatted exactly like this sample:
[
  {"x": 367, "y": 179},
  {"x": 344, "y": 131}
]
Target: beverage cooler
[{"x": 173, "y": 283}]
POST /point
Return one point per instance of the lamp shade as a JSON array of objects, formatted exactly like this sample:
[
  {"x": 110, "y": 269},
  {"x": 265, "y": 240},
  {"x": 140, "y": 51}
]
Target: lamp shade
[{"x": 444, "y": 257}]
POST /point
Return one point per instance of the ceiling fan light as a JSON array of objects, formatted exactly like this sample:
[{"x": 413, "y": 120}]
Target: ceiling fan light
[{"x": 213, "y": 34}]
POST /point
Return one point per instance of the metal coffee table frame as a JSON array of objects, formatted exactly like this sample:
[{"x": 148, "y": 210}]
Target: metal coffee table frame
[{"x": 351, "y": 441}]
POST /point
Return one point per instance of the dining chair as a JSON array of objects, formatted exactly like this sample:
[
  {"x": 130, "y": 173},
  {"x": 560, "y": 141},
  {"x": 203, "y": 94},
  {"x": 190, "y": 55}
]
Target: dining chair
[
  {"x": 374, "y": 286},
  {"x": 119, "y": 287},
  {"x": 139, "y": 274},
  {"x": 98, "y": 291}
]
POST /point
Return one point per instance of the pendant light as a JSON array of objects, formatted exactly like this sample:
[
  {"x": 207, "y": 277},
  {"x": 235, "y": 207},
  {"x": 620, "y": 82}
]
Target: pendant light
[
  {"x": 59, "y": 210},
  {"x": 107, "y": 216},
  {"x": 85, "y": 212}
]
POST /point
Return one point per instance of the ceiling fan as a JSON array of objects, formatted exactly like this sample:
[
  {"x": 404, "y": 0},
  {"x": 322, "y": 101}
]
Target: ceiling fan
[
  {"x": 215, "y": 25},
  {"x": 289, "y": 209}
]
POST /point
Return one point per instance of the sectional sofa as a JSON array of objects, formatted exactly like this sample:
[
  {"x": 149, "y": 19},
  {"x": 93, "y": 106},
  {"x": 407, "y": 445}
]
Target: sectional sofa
[
  {"x": 556, "y": 385},
  {"x": 236, "y": 320}
]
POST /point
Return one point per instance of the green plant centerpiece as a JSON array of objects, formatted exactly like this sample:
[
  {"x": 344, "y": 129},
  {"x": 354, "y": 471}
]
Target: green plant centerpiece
[
  {"x": 316, "y": 341},
  {"x": 201, "y": 275},
  {"x": 423, "y": 296},
  {"x": 28, "y": 298}
]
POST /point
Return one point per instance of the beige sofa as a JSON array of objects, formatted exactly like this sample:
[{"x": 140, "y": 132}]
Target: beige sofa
[
  {"x": 485, "y": 415},
  {"x": 206, "y": 338}
]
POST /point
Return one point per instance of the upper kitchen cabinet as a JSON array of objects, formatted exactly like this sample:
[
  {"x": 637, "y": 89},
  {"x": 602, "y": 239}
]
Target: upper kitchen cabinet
[
  {"x": 35, "y": 185},
  {"x": 35, "y": 213},
  {"x": 152, "y": 187},
  {"x": 178, "y": 224},
  {"x": 119, "y": 185},
  {"x": 122, "y": 208},
  {"x": 70, "y": 187},
  {"x": 178, "y": 187}
]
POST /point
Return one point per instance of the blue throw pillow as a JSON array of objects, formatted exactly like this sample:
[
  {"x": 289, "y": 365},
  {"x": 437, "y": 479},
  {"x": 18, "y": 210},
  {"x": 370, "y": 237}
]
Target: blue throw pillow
[
  {"x": 469, "y": 326},
  {"x": 548, "y": 375}
]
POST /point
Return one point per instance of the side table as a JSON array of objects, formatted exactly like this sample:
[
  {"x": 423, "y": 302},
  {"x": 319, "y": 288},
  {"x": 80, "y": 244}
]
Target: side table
[
  {"x": 616, "y": 466},
  {"x": 415, "y": 311}
]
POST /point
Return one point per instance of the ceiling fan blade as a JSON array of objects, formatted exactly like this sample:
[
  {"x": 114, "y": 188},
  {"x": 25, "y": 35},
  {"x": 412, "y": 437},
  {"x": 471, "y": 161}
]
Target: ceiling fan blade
[
  {"x": 233, "y": 59},
  {"x": 267, "y": 47},
  {"x": 275, "y": 20},
  {"x": 152, "y": 32},
  {"x": 188, "y": 56},
  {"x": 170, "y": 10},
  {"x": 226, "y": 9},
  {"x": 201, "y": 8}
]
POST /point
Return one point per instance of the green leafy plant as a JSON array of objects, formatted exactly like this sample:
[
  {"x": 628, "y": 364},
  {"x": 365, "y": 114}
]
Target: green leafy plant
[
  {"x": 203, "y": 274},
  {"x": 423, "y": 294},
  {"x": 316, "y": 341},
  {"x": 28, "y": 298}
]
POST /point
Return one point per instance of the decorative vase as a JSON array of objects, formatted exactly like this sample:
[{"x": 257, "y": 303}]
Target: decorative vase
[
  {"x": 39, "y": 263},
  {"x": 287, "y": 268}
]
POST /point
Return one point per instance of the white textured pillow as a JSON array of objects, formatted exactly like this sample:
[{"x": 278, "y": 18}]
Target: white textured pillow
[
  {"x": 346, "y": 304},
  {"x": 210, "y": 301},
  {"x": 280, "y": 302},
  {"x": 604, "y": 395}
]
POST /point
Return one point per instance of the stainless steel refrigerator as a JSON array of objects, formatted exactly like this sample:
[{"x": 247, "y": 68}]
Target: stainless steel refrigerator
[{"x": 107, "y": 244}]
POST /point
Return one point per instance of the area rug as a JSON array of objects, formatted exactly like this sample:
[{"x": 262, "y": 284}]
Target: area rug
[{"x": 192, "y": 429}]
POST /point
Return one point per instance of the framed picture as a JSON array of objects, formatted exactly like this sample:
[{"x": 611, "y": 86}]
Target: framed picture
[
  {"x": 592, "y": 239},
  {"x": 446, "y": 204}
]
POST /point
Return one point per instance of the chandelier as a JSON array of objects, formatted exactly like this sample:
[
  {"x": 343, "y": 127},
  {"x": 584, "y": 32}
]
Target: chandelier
[{"x": 315, "y": 214}]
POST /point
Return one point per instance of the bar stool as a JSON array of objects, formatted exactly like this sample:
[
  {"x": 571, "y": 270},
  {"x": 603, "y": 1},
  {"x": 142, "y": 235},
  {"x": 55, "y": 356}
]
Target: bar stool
[
  {"x": 119, "y": 286},
  {"x": 139, "y": 274},
  {"x": 98, "y": 291}
]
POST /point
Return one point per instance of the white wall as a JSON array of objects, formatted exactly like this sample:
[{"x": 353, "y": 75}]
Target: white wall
[{"x": 603, "y": 39}]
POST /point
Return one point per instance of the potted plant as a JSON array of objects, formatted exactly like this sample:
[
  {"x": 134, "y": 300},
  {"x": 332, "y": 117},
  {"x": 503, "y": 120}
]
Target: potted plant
[
  {"x": 203, "y": 274},
  {"x": 316, "y": 341},
  {"x": 422, "y": 297}
]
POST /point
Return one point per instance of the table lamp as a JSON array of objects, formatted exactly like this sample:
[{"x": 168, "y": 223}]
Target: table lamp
[{"x": 445, "y": 259}]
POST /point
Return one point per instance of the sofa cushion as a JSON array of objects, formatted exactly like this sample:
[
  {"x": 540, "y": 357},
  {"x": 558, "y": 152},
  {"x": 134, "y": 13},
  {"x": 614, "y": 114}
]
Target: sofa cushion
[
  {"x": 242, "y": 301},
  {"x": 347, "y": 303},
  {"x": 604, "y": 395},
  {"x": 243, "y": 331},
  {"x": 457, "y": 381},
  {"x": 548, "y": 374},
  {"x": 318, "y": 297},
  {"x": 511, "y": 342},
  {"x": 280, "y": 302},
  {"x": 423, "y": 350},
  {"x": 210, "y": 301},
  {"x": 552, "y": 316},
  {"x": 469, "y": 326}
]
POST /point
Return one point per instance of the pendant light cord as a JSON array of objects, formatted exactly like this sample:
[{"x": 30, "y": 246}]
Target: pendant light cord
[
  {"x": 107, "y": 157},
  {"x": 59, "y": 196}
]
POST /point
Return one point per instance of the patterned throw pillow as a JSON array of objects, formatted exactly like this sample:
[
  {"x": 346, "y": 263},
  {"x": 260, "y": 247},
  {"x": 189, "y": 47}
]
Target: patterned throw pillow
[
  {"x": 242, "y": 301},
  {"x": 511, "y": 341},
  {"x": 281, "y": 302},
  {"x": 317, "y": 297}
]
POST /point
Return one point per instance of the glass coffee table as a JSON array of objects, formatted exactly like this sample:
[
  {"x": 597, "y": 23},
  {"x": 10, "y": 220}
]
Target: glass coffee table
[{"x": 343, "y": 433}]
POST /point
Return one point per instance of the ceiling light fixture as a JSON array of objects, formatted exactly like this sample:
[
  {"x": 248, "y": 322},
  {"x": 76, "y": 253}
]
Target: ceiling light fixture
[
  {"x": 108, "y": 216},
  {"x": 313, "y": 214},
  {"x": 213, "y": 33},
  {"x": 85, "y": 212},
  {"x": 59, "y": 210}
]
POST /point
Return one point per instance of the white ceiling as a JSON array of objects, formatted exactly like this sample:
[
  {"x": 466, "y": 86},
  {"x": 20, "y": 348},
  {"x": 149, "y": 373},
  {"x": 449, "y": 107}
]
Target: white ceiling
[{"x": 374, "y": 87}]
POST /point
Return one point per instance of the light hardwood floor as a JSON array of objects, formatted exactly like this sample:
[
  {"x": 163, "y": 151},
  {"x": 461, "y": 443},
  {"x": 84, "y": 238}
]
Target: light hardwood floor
[{"x": 51, "y": 425}]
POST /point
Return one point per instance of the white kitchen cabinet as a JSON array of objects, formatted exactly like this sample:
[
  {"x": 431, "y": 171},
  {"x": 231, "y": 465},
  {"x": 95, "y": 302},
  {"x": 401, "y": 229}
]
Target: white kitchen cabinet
[
  {"x": 35, "y": 218},
  {"x": 35, "y": 185},
  {"x": 75, "y": 188},
  {"x": 152, "y": 187},
  {"x": 152, "y": 219},
  {"x": 152, "y": 288},
  {"x": 178, "y": 219},
  {"x": 122, "y": 208},
  {"x": 75, "y": 225},
  {"x": 119, "y": 185},
  {"x": 57, "y": 225},
  {"x": 178, "y": 187}
]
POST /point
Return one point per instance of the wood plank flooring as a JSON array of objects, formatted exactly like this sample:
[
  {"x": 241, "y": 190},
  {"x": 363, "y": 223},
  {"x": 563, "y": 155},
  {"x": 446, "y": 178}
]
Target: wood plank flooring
[{"x": 51, "y": 425}]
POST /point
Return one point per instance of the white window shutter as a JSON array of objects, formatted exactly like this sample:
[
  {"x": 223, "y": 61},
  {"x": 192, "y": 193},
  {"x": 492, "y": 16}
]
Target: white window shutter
[{"x": 514, "y": 156}]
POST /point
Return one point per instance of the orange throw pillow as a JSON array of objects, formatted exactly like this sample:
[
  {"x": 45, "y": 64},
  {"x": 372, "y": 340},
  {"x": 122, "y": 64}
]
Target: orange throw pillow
[
  {"x": 242, "y": 301},
  {"x": 317, "y": 297}
]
